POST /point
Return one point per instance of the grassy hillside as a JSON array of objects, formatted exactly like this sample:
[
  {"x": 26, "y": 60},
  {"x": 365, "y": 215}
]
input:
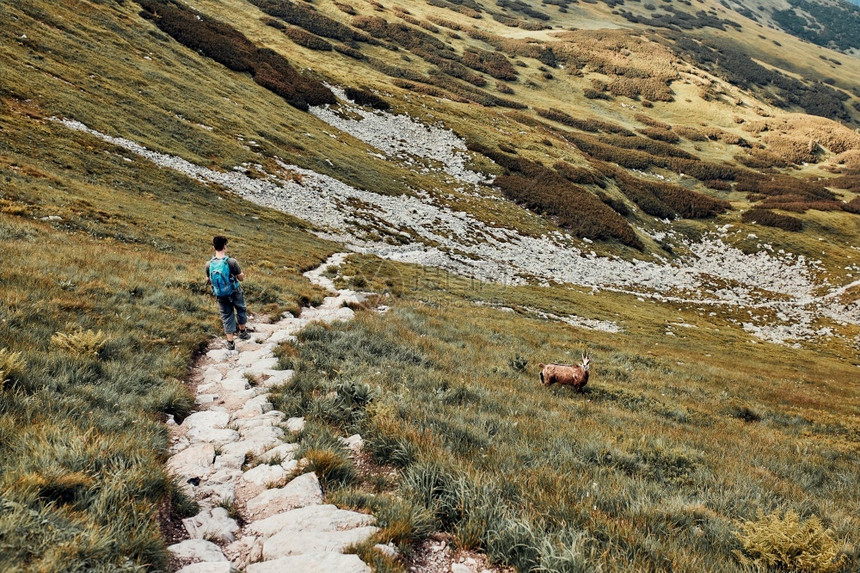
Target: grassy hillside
[{"x": 661, "y": 133}]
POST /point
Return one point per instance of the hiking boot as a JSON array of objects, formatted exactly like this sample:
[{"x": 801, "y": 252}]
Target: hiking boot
[
  {"x": 244, "y": 334},
  {"x": 231, "y": 345}
]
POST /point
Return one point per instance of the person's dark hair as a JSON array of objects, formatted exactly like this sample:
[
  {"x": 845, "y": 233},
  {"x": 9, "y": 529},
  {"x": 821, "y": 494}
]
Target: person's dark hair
[{"x": 219, "y": 243}]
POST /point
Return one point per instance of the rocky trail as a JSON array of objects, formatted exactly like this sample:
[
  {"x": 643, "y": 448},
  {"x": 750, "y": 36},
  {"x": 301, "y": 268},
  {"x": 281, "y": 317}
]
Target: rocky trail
[{"x": 286, "y": 524}]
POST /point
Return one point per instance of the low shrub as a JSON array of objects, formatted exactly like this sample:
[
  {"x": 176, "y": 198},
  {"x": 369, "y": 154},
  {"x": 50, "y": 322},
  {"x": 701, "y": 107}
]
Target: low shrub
[
  {"x": 306, "y": 39},
  {"x": 572, "y": 207},
  {"x": 787, "y": 543},
  {"x": 853, "y": 206},
  {"x": 85, "y": 343},
  {"x": 771, "y": 219},
  {"x": 667, "y": 200},
  {"x": 349, "y": 52},
  {"x": 367, "y": 98},
  {"x": 589, "y": 124},
  {"x": 232, "y": 49},
  {"x": 651, "y": 122},
  {"x": 660, "y": 134},
  {"x": 592, "y": 93},
  {"x": 306, "y": 17},
  {"x": 579, "y": 175},
  {"x": 492, "y": 63}
]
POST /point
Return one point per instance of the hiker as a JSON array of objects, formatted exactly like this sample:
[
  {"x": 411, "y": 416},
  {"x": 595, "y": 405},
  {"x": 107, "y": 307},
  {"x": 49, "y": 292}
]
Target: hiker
[{"x": 224, "y": 274}]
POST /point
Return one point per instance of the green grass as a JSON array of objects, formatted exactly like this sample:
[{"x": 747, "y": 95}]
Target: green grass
[
  {"x": 643, "y": 471},
  {"x": 676, "y": 443},
  {"x": 104, "y": 309}
]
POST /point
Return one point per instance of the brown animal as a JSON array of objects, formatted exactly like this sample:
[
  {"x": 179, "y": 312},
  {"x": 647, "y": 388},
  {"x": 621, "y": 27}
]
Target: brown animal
[{"x": 566, "y": 375}]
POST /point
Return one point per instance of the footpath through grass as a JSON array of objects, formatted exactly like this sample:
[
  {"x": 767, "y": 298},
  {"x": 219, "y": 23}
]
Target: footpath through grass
[
  {"x": 103, "y": 308},
  {"x": 677, "y": 441}
]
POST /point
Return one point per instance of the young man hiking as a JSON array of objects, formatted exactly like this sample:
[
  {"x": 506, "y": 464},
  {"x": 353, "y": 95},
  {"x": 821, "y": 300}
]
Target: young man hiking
[{"x": 224, "y": 274}]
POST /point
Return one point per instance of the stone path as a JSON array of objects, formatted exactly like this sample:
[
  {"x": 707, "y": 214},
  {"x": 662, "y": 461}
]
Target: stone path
[{"x": 234, "y": 455}]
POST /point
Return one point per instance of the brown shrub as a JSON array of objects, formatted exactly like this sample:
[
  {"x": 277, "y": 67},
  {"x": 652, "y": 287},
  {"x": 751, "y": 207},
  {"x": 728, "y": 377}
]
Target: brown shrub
[
  {"x": 771, "y": 219},
  {"x": 589, "y": 124},
  {"x": 579, "y": 175},
  {"x": 660, "y": 134},
  {"x": 849, "y": 182},
  {"x": 367, "y": 98},
  {"x": 231, "y": 48},
  {"x": 651, "y": 122},
  {"x": 306, "y": 17},
  {"x": 492, "y": 63},
  {"x": 652, "y": 146},
  {"x": 572, "y": 207},
  {"x": 592, "y": 93},
  {"x": 853, "y": 206},
  {"x": 346, "y": 8},
  {"x": 668, "y": 199},
  {"x": 691, "y": 133},
  {"x": 306, "y": 39}
]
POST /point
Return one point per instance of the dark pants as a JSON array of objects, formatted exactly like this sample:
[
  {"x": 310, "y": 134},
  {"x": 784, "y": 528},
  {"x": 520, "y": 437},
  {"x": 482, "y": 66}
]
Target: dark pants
[{"x": 233, "y": 311}]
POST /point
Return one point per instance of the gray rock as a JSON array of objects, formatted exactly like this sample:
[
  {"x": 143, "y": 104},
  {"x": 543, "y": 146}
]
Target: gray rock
[
  {"x": 213, "y": 525},
  {"x": 319, "y": 518},
  {"x": 312, "y": 563},
  {"x": 206, "y": 420},
  {"x": 301, "y": 491},
  {"x": 195, "y": 461},
  {"x": 219, "y": 567},
  {"x": 295, "y": 425},
  {"x": 288, "y": 543},
  {"x": 197, "y": 550},
  {"x": 262, "y": 365},
  {"x": 283, "y": 452},
  {"x": 216, "y": 436}
]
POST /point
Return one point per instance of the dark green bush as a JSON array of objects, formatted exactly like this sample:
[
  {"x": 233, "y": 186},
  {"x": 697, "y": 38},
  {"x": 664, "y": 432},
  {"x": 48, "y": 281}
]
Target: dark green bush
[{"x": 771, "y": 219}]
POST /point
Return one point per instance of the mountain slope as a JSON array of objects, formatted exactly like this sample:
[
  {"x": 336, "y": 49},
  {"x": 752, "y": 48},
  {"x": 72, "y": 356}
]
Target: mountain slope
[{"x": 638, "y": 178}]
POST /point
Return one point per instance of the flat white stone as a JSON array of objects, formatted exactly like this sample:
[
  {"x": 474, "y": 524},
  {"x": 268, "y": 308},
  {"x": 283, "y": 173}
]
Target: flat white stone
[
  {"x": 235, "y": 383},
  {"x": 219, "y": 354},
  {"x": 312, "y": 563},
  {"x": 320, "y": 518},
  {"x": 354, "y": 443},
  {"x": 295, "y": 425},
  {"x": 262, "y": 477},
  {"x": 300, "y": 492},
  {"x": 288, "y": 543},
  {"x": 261, "y": 365},
  {"x": 283, "y": 452},
  {"x": 247, "y": 358},
  {"x": 206, "y": 420},
  {"x": 283, "y": 336},
  {"x": 198, "y": 550},
  {"x": 233, "y": 461},
  {"x": 213, "y": 525},
  {"x": 218, "y": 437},
  {"x": 195, "y": 461},
  {"x": 203, "y": 399},
  {"x": 212, "y": 375},
  {"x": 276, "y": 377},
  {"x": 219, "y": 567}
]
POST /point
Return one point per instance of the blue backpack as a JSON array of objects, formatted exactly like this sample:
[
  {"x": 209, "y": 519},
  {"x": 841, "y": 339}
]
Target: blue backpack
[{"x": 219, "y": 274}]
